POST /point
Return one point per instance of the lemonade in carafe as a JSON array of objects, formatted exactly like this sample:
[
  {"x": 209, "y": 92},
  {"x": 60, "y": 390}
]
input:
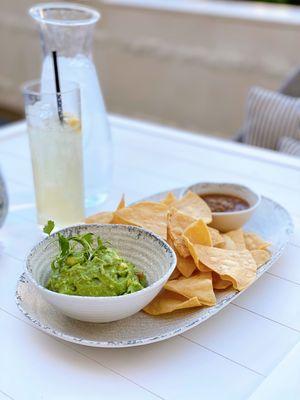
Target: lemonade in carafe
[{"x": 68, "y": 29}]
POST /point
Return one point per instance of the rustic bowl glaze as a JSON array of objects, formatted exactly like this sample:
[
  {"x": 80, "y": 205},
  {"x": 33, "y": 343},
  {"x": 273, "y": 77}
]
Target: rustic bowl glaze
[{"x": 144, "y": 249}]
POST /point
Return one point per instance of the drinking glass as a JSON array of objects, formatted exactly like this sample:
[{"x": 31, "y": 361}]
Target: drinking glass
[{"x": 55, "y": 139}]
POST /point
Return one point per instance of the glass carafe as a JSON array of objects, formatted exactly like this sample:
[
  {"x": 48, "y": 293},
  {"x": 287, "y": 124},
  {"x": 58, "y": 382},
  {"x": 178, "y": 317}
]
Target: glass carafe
[{"x": 68, "y": 29}]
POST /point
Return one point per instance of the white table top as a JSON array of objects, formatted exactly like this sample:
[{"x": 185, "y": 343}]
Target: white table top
[{"x": 228, "y": 356}]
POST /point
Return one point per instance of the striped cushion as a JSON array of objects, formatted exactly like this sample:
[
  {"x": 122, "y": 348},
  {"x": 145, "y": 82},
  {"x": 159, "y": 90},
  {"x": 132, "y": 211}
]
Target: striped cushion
[
  {"x": 270, "y": 116},
  {"x": 289, "y": 146}
]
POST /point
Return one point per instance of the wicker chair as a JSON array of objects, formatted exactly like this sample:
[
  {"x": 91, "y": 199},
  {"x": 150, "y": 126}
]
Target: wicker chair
[{"x": 290, "y": 87}]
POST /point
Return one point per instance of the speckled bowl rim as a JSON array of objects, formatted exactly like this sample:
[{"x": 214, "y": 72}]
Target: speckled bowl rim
[
  {"x": 147, "y": 234},
  {"x": 237, "y": 185}
]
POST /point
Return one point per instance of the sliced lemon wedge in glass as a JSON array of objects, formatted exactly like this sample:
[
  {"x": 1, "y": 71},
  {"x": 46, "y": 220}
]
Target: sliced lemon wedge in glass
[{"x": 73, "y": 122}]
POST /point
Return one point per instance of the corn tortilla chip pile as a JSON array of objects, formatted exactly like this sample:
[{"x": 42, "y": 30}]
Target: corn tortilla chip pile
[{"x": 207, "y": 261}]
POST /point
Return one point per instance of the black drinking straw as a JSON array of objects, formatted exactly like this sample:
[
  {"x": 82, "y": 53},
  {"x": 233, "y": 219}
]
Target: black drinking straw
[{"x": 57, "y": 86}]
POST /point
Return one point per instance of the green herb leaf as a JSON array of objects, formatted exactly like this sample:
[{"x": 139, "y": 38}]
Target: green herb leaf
[
  {"x": 88, "y": 237},
  {"x": 100, "y": 244},
  {"x": 48, "y": 228},
  {"x": 64, "y": 245}
]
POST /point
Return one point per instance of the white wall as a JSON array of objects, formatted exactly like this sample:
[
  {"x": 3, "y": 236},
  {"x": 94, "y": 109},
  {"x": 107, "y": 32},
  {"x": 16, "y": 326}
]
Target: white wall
[{"x": 188, "y": 64}]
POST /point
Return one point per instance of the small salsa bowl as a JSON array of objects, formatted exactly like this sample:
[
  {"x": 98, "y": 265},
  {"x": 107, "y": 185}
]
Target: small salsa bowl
[
  {"x": 228, "y": 221},
  {"x": 143, "y": 248}
]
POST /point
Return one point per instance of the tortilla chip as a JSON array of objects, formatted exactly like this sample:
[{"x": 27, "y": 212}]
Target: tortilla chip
[
  {"x": 118, "y": 220},
  {"x": 236, "y": 266},
  {"x": 219, "y": 283},
  {"x": 192, "y": 249},
  {"x": 237, "y": 237},
  {"x": 216, "y": 237},
  {"x": 192, "y": 205},
  {"x": 177, "y": 223},
  {"x": 122, "y": 203},
  {"x": 198, "y": 233},
  {"x": 175, "y": 274},
  {"x": 185, "y": 265},
  {"x": 170, "y": 241},
  {"x": 169, "y": 199},
  {"x": 147, "y": 214},
  {"x": 199, "y": 285},
  {"x": 254, "y": 242},
  {"x": 104, "y": 217},
  {"x": 228, "y": 243},
  {"x": 167, "y": 302},
  {"x": 260, "y": 256}
]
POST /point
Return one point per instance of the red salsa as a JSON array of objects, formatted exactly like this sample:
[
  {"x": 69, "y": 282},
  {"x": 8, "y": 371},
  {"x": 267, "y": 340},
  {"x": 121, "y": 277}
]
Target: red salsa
[{"x": 218, "y": 202}]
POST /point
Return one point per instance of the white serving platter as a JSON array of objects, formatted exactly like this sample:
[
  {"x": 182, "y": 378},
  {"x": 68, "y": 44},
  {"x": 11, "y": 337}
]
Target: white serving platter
[{"x": 271, "y": 221}]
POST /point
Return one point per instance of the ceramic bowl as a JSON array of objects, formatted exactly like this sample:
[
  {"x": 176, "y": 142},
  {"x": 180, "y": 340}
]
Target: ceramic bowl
[
  {"x": 227, "y": 221},
  {"x": 146, "y": 250}
]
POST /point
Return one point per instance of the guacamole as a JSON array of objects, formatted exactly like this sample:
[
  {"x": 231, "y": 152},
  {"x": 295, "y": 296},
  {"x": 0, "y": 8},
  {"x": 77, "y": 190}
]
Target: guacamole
[{"x": 85, "y": 266}]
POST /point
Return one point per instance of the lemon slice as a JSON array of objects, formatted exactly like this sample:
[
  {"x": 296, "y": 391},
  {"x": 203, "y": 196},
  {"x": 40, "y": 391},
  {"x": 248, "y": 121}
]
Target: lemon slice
[{"x": 73, "y": 122}]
